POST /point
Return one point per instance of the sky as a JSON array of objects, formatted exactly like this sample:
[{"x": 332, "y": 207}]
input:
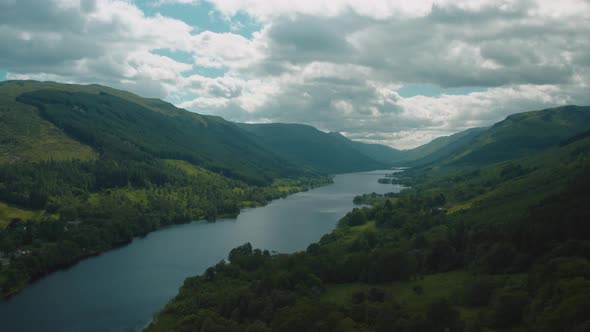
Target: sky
[{"x": 392, "y": 72}]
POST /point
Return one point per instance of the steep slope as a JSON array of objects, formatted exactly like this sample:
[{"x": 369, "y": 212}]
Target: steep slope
[
  {"x": 518, "y": 135},
  {"x": 91, "y": 120},
  {"x": 514, "y": 257},
  {"x": 382, "y": 153},
  {"x": 306, "y": 145},
  {"x": 524, "y": 133},
  {"x": 24, "y": 135},
  {"x": 436, "y": 149},
  {"x": 440, "y": 147},
  {"x": 88, "y": 168}
]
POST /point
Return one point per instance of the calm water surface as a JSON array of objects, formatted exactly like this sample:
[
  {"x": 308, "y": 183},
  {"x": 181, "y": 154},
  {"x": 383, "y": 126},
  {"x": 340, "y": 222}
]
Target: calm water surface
[{"x": 122, "y": 289}]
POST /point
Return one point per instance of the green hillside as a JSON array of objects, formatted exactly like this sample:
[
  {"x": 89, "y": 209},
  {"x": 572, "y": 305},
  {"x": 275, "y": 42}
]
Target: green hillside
[
  {"x": 26, "y": 136},
  {"x": 87, "y": 168},
  {"x": 503, "y": 247},
  {"x": 306, "y": 145},
  {"x": 516, "y": 136},
  {"x": 118, "y": 125},
  {"x": 524, "y": 133},
  {"x": 382, "y": 153},
  {"x": 440, "y": 147}
]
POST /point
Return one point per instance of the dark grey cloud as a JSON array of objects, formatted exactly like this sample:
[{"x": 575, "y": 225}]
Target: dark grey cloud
[
  {"x": 37, "y": 15},
  {"x": 35, "y": 35},
  {"x": 450, "y": 47},
  {"x": 305, "y": 38}
]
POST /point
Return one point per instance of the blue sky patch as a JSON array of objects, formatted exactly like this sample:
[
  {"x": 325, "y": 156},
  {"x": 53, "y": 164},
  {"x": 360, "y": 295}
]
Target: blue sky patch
[
  {"x": 202, "y": 16},
  {"x": 179, "y": 56},
  {"x": 187, "y": 57},
  {"x": 431, "y": 90},
  {"x": 205, "y": 71}
]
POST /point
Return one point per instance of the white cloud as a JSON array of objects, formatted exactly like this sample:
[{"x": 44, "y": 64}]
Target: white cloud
[
  {"x": 334, "y": 64},
  {"x": 225, "y": 50},
  {"x": 159, "y": 3},
  {"x": 269, "y": 10}
]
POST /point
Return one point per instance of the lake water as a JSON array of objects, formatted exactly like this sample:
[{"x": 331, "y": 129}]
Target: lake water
[{"x": 123, "y": 288}]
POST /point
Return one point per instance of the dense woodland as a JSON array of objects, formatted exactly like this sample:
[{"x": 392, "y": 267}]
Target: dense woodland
[
  {"x": 118, "y": 166},
  {"x": 504, "y": 247},
  {"x": 92, "y": 206},
  {"x": 492, "y": 235}
]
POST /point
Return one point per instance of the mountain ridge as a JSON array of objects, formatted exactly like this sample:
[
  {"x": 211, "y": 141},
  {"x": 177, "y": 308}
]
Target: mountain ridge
[
  {"x": 306, "y": 145},
  {"x": 523, "y": 133},
  {"x": 266, "y": 149}
]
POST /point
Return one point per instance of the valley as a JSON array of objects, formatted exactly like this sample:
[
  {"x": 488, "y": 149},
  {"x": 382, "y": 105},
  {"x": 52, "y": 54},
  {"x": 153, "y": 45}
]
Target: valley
[{"x": 88, "y": 169}]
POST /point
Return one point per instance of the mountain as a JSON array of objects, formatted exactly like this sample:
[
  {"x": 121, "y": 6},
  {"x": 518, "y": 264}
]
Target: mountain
[
  {"x": 439, "y": 147},
  {"x": 85, "y": 168},
  {"x": 425, "y": 154},
  {"x": 516, "y": 136},
  {"x": 24, "y": 135},
  {"x": 58, "y": 121},
  {"x": 499, "y": 247},
  {"x": 381, "y": 153},
  {"x": 308, "y": 146},
  {"x": 522, "y": 134}
]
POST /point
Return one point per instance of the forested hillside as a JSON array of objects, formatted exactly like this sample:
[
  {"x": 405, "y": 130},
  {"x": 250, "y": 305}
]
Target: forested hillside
[
  {"x": 382, "y": 153},
  {"x": 306, "y": 145},
  {"x": 516, "y": 136},
  {"x": 504, "y": 247},
  {"x": 87, "y": 168},
  {"x": 440, "y": 147},
  {"x": 523, "y": 133},
  {"x": 116, "y": 127}
]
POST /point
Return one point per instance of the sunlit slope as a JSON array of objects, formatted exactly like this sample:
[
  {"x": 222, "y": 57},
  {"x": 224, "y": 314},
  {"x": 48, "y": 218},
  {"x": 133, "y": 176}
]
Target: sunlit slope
[
  {"x": 84, "y": 121},
  {"x": 26, "y": 136}
]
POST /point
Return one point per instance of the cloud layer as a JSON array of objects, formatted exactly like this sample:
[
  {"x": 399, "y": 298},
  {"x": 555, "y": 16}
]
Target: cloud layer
[{"x": 337, "y": 65}]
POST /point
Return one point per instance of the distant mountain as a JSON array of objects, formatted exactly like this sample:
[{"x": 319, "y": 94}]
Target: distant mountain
[
  {"x": 522, "y": 134},
  {"x": 439, "y": 147},
  {"x": 59, "y": 121},
  {"x": 424, "y": 154},
  {"x": 516, "y": 136},
  {"x": 312, "y": 148},
  {"x": 306, "y": 145},
  {"x": 52, "y": 121},
  {"x": 379, "y": 152}
]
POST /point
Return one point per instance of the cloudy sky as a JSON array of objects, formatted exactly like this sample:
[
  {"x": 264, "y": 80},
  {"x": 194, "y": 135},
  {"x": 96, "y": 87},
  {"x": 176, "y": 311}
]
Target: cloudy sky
[{"x": 393, "y": 71}]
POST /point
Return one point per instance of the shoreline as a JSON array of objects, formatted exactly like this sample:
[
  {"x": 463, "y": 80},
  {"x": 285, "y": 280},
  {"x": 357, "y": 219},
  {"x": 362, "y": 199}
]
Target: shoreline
[{"x": 6, "y": 297}]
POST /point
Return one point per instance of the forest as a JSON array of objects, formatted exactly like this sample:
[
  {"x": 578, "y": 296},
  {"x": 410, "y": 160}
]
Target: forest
[
  {"x": 490, "y": 237},
  {"x": 91, "y": 206},
  {"x": 497, "y": 248},
  {"x": 84, "y": 169}
]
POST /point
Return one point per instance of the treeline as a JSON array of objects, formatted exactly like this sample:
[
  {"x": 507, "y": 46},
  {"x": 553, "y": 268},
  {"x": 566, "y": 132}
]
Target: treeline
[
  {"x": 91, "y": 206},
  {"x": 532, "y": 272}
]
